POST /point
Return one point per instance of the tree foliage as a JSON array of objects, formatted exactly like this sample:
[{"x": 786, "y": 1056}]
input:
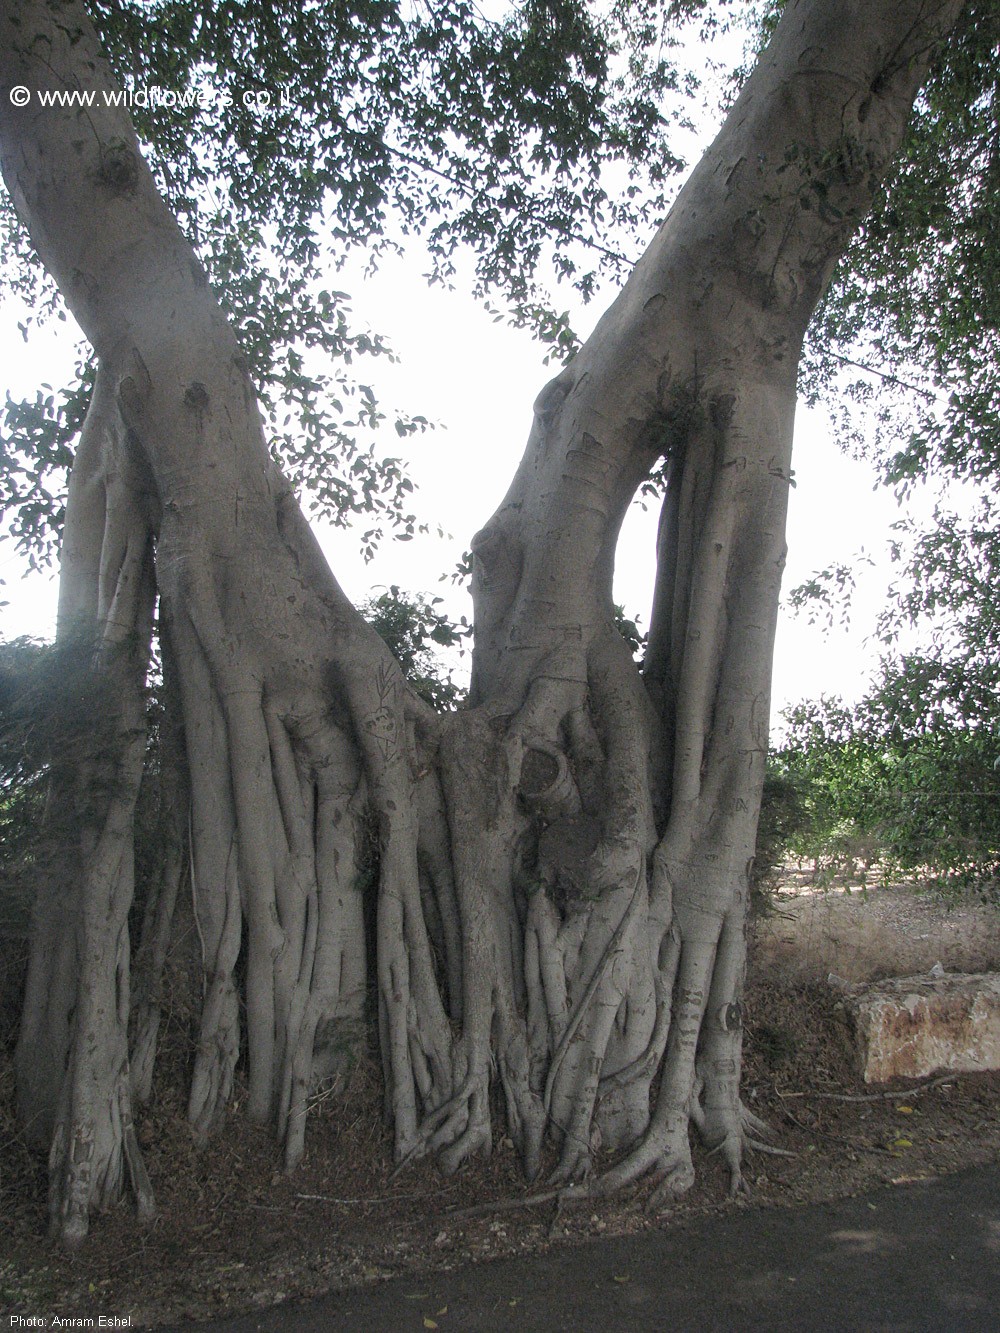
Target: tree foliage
[
  {"x": 286, "y": 139},
  {"x": 914, "y": 299},
  {"x": 905, "y": 779},
  {"x": 23, "y": 760},
  {"x": 417, "y": 632},
  {"x": 906, "y": 350}
]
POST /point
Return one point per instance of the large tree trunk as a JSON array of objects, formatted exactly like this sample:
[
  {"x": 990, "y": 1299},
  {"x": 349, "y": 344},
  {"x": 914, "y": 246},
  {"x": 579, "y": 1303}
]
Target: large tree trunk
[{"x": 562, "y": 867}]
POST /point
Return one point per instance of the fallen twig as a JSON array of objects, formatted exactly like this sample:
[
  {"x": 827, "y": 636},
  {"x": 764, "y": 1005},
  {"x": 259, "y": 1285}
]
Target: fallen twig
[
  {"x": 875, "y": 1096},
  {"x": 562, "y": 1193},
  {"x": 385, "y": 1198},
  {"x": 770, "y": 1148}
]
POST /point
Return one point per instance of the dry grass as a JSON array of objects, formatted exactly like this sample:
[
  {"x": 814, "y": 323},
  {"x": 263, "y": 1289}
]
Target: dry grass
[{"x": 874, "y": 932}]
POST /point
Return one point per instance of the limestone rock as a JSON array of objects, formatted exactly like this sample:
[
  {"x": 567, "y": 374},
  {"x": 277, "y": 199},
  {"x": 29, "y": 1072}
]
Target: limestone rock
[{"x": 909, "y": 1027}]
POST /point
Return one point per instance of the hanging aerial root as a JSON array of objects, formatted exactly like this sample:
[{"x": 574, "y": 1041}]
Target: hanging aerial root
[
  {"x": 91, "y": 1163},
  {"x": 438, "y": 1125},
  {"x": 573, "y": 1079},
  {"x": 665, "y": 1149},
  {"x": 478, "y": 770},
  {"x": 161, "y": 908},
  {"x": 94, "y": 1151},
  {"x": 642, "y": 1069}
]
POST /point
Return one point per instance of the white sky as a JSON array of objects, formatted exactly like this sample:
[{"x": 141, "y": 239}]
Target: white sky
[{"x": 478, "y": 379}]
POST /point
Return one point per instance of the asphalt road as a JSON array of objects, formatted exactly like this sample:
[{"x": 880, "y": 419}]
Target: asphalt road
[{"x": 918, "y": 1256}]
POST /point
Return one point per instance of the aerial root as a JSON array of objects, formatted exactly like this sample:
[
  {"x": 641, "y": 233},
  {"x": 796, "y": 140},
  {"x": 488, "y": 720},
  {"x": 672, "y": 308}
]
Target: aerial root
[
  {"x": 753, "y": 1124},
  {"x": 731, "y": 1148},
  {"x": 449, "y": 1120},
  {"x": 674, "y": 1176},
  {"x": 769, "y": 1148},
  {"x": 575, "y": 1164},
  {"x": 746, "y": 1131},
  {"x": 476, "y": 1138},
  {"x": 666, "y": 1158},
  {"x": 142, "y": 1186}
]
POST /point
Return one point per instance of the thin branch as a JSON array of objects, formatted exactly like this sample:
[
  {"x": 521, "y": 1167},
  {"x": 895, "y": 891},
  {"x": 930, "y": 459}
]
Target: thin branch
[
  {"x": 770, "y": 1149},
  {"x": 563, "y": 1194},
  {"x": 528, "y": 205},
  {"x": 884, "y": 375},
  {"x": 875, "y": 1096},
  {"x": 385, "y": 1198}
]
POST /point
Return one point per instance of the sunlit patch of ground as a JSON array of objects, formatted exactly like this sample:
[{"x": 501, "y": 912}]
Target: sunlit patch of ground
[{"x": 867, "y": 930}]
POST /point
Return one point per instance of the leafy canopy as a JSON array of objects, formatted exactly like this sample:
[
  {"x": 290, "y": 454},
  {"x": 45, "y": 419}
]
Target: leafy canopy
[
  {"x": 284, "y": 137},
  {"x": 915, "y": 298},
  {"x": 899, "y": 779},
  {"x": 907, "y": 348}
]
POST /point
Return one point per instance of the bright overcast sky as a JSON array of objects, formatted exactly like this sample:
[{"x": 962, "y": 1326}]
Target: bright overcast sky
[{"x": 478, "y": 379}]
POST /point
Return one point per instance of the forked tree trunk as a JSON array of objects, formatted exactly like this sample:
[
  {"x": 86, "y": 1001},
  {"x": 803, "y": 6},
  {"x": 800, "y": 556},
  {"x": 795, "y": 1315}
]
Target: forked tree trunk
[{"x": 562, "y": 867}]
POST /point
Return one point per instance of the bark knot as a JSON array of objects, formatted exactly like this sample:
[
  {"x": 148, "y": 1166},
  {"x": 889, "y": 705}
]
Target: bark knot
[
  {"x": 119, "y": 169},
  {"x": 731, "y": 1017},
  {"x": 196, "y": 397},
  {"x": 552, "y": 397}
]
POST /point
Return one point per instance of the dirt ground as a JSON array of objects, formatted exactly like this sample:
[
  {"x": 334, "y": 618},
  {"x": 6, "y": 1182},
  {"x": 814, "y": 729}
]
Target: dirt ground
[
  {"x": 234, "y": 1233},
  {"x": 864, "y": 933}
]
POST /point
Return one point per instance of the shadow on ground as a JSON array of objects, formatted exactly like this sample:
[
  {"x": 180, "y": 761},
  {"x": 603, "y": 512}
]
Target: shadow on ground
[{"x": 916, "y": 1256}]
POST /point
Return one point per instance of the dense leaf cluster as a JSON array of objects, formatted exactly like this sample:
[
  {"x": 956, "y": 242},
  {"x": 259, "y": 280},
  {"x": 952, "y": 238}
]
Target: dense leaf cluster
[
  {"x": 908, "y": 340},
  {"x": 419, "y": 636},
  {"x": 22, "y": 787},
  {"x": 284, "y": 137},
  {"x": 915, "y": 299},
  {"x": 903, "y": 780}
]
